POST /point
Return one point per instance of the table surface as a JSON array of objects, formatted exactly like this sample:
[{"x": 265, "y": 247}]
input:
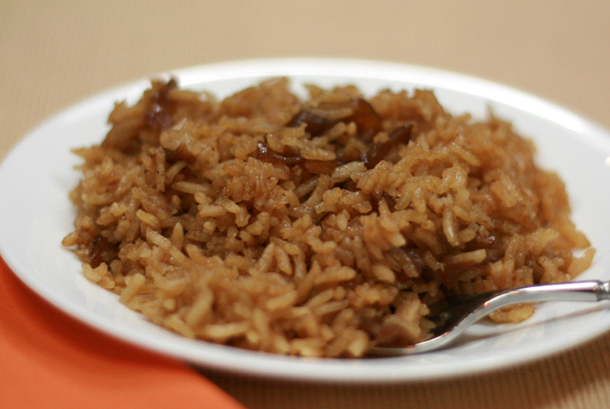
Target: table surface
[{"x": 53, "y": 54}]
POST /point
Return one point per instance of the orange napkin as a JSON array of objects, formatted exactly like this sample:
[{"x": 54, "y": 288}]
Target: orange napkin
[{"x": 49, "y": 360}]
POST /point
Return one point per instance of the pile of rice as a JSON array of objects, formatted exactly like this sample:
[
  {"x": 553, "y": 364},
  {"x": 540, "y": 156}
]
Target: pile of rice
[{"x": 317, "y": 228}]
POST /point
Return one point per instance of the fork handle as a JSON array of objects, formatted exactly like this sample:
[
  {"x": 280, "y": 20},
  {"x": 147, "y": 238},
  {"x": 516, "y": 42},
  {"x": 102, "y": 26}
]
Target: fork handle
[{"x": 570, "y": 291}]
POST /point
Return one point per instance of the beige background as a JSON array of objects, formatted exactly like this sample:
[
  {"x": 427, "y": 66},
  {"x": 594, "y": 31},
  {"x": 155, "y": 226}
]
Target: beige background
[{"x": 54, "y": 53}]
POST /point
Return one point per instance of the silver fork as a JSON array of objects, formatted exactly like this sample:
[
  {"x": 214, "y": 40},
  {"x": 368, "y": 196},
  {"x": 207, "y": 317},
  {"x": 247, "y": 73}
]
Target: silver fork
[{"x": 458, "y": 313}]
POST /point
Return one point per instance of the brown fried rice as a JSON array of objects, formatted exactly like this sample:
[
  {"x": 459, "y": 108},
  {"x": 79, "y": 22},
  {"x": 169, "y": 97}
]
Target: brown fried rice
[{"x": 318, "y": 227}]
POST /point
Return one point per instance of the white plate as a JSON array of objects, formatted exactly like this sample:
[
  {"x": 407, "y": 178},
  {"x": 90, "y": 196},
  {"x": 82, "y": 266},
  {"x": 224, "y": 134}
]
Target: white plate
[{"x": 35, "y": 214}]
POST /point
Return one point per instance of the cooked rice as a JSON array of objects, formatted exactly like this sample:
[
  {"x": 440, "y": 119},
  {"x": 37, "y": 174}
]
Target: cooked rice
[{"x": 315, "y": 228}]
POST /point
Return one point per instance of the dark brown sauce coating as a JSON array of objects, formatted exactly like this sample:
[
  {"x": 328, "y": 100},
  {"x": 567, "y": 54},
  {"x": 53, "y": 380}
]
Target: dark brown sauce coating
[
  {"x": 315, "y": 125},
  {"x": 266, "y": 154},
  {"x": 159, "y": 116},
  {"x": 368, "y": 124},
  {"x": 379, "y": 151}
]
